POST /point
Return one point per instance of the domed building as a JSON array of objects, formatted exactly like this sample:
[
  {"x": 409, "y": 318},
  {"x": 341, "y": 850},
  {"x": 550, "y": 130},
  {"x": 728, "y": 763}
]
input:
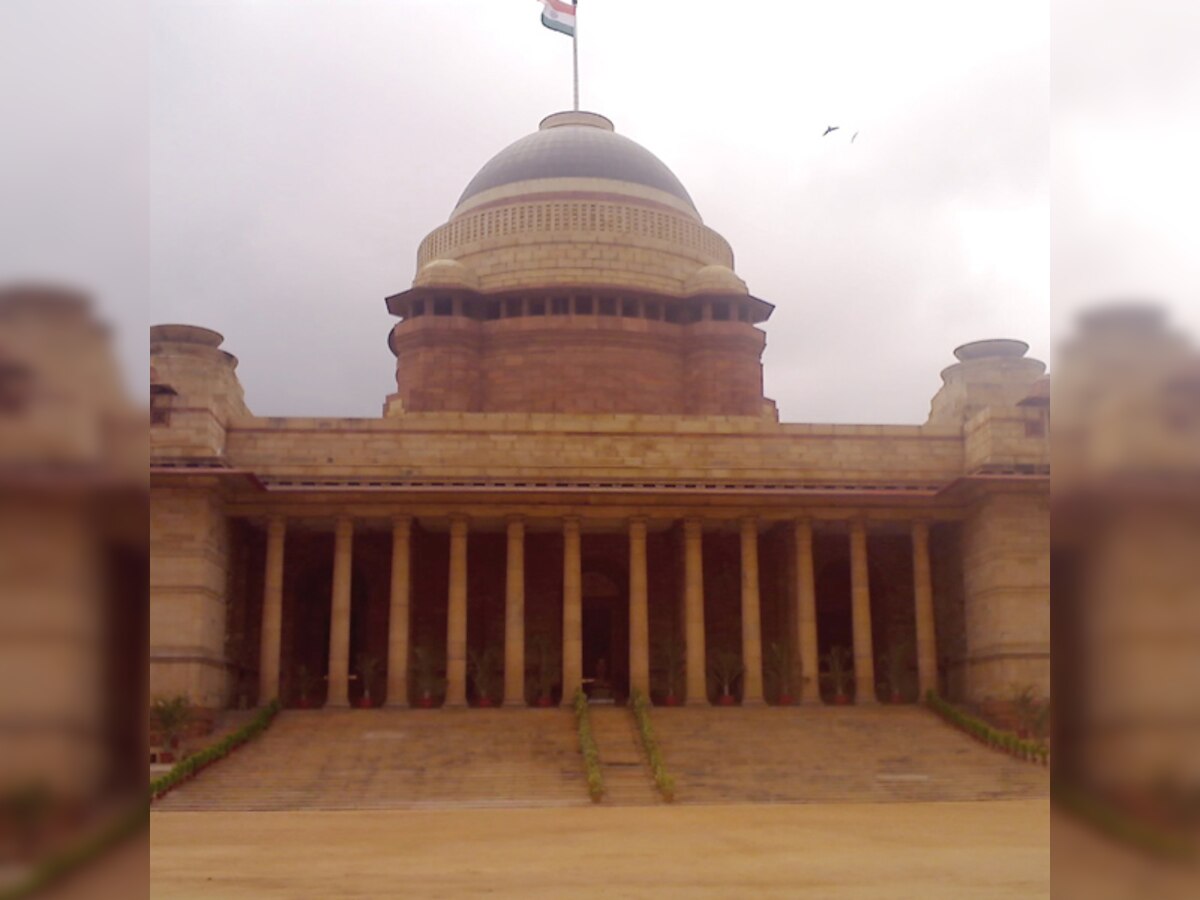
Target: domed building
[
  {"x": 576, "y": 276},
  {"x": 578, "y": 484}
]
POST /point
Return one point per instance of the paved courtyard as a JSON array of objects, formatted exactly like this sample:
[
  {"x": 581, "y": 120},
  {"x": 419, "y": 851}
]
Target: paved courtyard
[{"x": 897, "y": 850}]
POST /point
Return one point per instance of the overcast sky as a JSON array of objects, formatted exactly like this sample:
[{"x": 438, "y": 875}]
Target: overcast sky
[
  {"x": 298, "y": 151},
  {"x": 302, "y": 148}
]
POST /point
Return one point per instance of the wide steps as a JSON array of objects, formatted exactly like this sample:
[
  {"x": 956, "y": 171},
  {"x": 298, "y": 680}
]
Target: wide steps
[
  {"x": 627, "y": 779},
  {"x": 397, "y": 759},
  {"x": 833, "y": 755}
]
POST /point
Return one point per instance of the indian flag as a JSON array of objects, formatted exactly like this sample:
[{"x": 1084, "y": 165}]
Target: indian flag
[{"x": 559, "y": 15}]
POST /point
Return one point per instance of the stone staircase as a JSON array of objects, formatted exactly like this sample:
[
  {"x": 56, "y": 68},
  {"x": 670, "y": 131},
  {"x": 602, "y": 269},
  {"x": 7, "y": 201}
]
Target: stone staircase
[
  {"x": 627, "y": 780},
  {"x": 833, "y": 755},
  {"x": 409, "y": 759},
  {"x": 397, "y": 759}
]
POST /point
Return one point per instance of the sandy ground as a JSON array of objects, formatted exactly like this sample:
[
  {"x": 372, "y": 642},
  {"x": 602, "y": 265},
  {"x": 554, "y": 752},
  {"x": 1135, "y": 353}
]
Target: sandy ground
[{"x": 934, "y": 850}]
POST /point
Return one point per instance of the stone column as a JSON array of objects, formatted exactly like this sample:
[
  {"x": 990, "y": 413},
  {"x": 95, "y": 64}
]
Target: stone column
[
  {"x": 456, "y": 616},
  {"x": 693, "y": 564},
  {"x": 514, "y": 615},
  {"x": 339, "y": 622},
  {"x": 639, "y": 612},
  {"x": 572, "y": 640},
  {"x": 806, "y": 613},
  {"x": 860, "y": 598},
  {"x": 272, "y": 613},
  {"x": 398, "y": 613},
  {"x": 923, "y": 603},
  {"x": 752, "y": 680}
]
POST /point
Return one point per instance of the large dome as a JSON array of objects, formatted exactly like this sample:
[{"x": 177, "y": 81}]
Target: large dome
[{"x": 576, "y": 145}]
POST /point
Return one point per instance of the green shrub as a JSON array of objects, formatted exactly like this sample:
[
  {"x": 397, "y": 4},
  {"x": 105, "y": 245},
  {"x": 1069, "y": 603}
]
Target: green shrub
[
  {"x": 982, "y": 731},
  {"x": 170, "y": 717},
  {"x": 641, "y": 713},
  {"x": 194, "y": 762},
  {"x": 587, "y": 746}
]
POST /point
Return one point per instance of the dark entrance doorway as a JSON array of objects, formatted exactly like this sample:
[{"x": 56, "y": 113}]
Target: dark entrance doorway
[
  {"x": 605, "y": 642},
  {"x": 597, "y": 640}
]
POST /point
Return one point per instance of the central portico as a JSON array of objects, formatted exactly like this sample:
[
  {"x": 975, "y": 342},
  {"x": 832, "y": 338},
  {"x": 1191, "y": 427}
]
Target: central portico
[{"x": 578, "y": 482}]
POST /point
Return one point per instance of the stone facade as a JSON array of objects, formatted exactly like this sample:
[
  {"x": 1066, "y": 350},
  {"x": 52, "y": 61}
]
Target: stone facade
[{"x": 579, "y": 468}]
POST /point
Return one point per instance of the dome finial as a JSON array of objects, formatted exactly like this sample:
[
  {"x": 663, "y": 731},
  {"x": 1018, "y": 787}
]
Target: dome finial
[{"x": 576, "y": 117}]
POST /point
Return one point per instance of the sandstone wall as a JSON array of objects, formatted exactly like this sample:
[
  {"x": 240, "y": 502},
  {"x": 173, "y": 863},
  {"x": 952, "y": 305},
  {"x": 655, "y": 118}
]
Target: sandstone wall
[
  {"x": 1006, "y": 579},
  {"x": 189, "y": 581}
]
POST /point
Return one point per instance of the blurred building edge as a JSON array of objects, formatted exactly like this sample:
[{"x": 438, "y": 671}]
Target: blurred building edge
[
  {"x": 1126, "y": 561},
  {"x": 73, "y": 499}
]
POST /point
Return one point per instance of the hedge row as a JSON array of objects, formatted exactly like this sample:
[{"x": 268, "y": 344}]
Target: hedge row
[
  {"x": 641, "y": 713},
  {"x": 1006, "y": 741},
  {"x": 190, "y": 766},
  {"x": 587, "y": 745}
]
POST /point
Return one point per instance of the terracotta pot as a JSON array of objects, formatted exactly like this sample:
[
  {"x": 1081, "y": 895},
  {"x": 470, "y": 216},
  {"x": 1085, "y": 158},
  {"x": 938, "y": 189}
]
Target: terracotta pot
[
  {"x": 841, "y": 700},
  {"x": 425, "y": 702},
  {"x": 896, "y": 697},
  {"x": 166, "y": 757},
  {"x": 670, "y": 700},
  {"x": 365, "y": 703},
  {"x": 485, "y": 703},
  {"x": 303, "y": 703},
  {"x": 786, "y": 700},
  {"x": 545, "y": 702},
  {"x": 726, "y": 700}
]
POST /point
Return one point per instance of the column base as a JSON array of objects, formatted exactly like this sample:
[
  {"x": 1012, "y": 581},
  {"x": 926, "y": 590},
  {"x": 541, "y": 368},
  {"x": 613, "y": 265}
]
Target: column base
[
  {"x": 703, "y": 701},
  {"x": 515, "y": 704},
  {"x": 337, "y": 704},
  {"x": 755, "y": 702}
]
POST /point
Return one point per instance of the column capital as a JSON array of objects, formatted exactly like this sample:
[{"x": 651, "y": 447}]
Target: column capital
[
  {"x": 344, "y": 525},
  {"x": 571, "y": 523},
  {"x": 638, "y": 522},
  {"x": 923, "y": 523},
  {"x": 402, "y": 521},
  {"x": 693, "y": 525},
  {"x": 747, "y": 523},
  {"x": 858, "y": 524},
  {"x": 276, "y": 522},
  {"x": 514, "y": 519},
  {"x": 459, "y": 524}
]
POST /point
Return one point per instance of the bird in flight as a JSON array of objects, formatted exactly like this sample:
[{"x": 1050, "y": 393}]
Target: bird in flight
[
  {"x": 853, "y": 136},
  {"x": 831, "y": 128}
]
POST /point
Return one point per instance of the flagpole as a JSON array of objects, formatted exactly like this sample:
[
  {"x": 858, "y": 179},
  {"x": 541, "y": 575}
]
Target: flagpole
[{"x": 575, "y": 52}]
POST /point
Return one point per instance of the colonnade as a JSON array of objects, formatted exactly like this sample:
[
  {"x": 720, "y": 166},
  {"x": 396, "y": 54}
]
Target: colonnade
[{"x": 804, "y": 593}]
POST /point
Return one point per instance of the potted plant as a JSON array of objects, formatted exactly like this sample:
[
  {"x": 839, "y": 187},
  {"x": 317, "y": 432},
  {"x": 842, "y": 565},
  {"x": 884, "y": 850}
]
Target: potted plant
[
  {"x": 305, "y": 682},
  {"x": 782, "y": 669},
  {"x": 895, "y": 663},
  {"x": 726, "y": 669},
  {"x": 545, "y": 671},
  {"x": 840, "y": 674},
  {"x": 426, "y": 672},
  {"x": 368, "y": 668},
  {"x": 670, "y": 656},
  {"x": 484, "y": 669},
  {"x": 1026, "y": 708},
  {"x": 170, "y": 717}
]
